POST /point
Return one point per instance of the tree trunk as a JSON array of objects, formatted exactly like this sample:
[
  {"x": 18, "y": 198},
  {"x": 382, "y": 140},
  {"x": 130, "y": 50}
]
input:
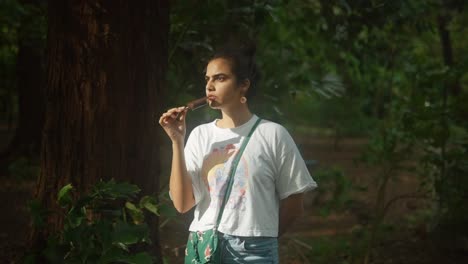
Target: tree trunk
[
  {"x": 443, "y": 21},
  {"x": 105, "y": 81}
]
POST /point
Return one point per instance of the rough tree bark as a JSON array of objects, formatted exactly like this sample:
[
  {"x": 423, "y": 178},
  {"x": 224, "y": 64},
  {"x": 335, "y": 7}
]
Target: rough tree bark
[{"x": 105, "y": 80}]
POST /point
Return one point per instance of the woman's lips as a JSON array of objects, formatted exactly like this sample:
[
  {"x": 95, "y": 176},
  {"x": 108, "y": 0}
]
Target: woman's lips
[{"x": 211, "y": 99}]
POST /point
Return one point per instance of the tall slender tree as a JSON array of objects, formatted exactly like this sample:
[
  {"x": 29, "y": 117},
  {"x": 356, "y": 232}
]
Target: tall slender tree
[{"x": 106, "y": 69}]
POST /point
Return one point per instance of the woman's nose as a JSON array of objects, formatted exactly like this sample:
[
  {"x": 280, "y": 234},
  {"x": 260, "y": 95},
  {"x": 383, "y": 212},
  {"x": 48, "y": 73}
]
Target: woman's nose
[{"x": 209, "y": 86}]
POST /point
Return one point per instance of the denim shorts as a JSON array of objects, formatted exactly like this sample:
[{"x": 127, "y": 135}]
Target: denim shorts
[{"x": 235, "y": 249}]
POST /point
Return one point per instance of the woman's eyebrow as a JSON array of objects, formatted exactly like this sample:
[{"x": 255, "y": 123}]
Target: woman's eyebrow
[{"x": 216, "y": 75}]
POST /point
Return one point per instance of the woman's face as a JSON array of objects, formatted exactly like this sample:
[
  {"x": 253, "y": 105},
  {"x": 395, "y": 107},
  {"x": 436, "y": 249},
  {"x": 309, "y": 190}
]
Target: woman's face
[{"x": 222, "y": 88}]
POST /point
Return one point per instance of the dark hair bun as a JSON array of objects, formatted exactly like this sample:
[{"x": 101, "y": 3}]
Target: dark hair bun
[
  {"x": 243, "y": 65},
  {"x": 249, "y": 49}
]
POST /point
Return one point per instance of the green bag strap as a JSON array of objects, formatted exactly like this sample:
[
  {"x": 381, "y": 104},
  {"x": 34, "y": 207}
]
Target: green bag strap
[{"x": 232, "y": 172}]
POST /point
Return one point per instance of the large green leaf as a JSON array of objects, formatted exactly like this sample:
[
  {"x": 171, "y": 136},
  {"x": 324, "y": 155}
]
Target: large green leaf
[
  {"x": 103, "y": 232},
  {"x": 140, "y": 258},
  {"x": 113, "y": 255},
  {"x": 64, "y": 197},
  {"x": 114, "y": 190},
  {"x": 136, "y": 213},
  {"x": 150, "y": 203},
  {"x": 128, "y": 234},
  {"x": 77, "y": 213},
  {"x": 118, "y": 256}
]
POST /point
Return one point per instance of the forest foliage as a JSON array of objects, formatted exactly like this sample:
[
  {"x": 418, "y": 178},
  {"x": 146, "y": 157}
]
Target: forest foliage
[{"x": 392, "y": 71}]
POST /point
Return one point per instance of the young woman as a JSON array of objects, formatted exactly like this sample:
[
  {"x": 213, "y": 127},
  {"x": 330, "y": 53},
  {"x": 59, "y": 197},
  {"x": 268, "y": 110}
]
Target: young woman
[{"x": 271, "y": 177}]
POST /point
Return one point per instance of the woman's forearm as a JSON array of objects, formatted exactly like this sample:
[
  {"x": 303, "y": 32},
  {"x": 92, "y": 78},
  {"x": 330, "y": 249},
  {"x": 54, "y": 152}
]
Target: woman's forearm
[
  {"x": 180, "y": 183},
  {"x": 290, "y": 209}
]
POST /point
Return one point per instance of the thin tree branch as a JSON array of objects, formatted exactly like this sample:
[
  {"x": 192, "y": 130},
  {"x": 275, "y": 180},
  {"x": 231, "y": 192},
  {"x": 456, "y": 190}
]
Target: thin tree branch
[{"x": 414, "y": 195}]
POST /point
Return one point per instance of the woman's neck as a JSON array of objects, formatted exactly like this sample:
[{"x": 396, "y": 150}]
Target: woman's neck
[{"x": 235, "y": 117}]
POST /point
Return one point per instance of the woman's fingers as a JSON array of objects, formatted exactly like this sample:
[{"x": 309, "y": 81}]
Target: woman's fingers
[
  {"x": 172, "y": 113},
  {"x": 181, "y": 115}
]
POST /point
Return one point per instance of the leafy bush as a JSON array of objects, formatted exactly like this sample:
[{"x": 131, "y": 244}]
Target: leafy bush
[
  {"x": 104, "y": 226},
  {"x": 334, "y": 191}
]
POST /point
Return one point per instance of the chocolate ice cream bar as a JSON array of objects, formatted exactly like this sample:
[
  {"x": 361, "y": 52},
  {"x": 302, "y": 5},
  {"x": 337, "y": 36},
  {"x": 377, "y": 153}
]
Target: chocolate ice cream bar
[{"x": 195, "y": 104}]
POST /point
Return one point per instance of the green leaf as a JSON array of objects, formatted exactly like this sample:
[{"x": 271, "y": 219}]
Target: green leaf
[
  {"x": 76, "y": 216},
  {"x": 122, "y": 246},
  {"x": 128, "y": 234},
  {"x": 64, "y": 197},
  {"x": 150, "y": 203},
  {"x": 114, "y": 190},
  {"x": 136, "y": 213},
  {"x": 77, "y": 213},
  {"x": 140, "y": 258},
  {"x": 103, "y": 231},
  {"x": 119, "y": 257},
  {"x": 114, "y": 254},
  {"x": 131, "y": 206},
  {"x": 84, "y": 201}
]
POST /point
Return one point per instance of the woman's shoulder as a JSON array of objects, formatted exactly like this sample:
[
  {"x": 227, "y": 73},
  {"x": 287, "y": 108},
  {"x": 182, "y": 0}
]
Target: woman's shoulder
[
  {"x": 271, "y": 126},
  {"x": 276, "y": 136},
  {"x": 273, "y": 129}
]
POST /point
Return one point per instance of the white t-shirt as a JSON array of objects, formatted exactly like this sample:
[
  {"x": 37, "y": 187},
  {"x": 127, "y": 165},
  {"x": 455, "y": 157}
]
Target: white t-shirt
[{"x": 270, "y": 169}]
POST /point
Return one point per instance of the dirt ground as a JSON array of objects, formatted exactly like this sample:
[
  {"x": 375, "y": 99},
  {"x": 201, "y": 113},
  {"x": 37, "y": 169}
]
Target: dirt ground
[{"x": 401, "y": 246}]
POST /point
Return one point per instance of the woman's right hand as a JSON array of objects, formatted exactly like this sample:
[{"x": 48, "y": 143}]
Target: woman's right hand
[{"x": 174, "y": 123}]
